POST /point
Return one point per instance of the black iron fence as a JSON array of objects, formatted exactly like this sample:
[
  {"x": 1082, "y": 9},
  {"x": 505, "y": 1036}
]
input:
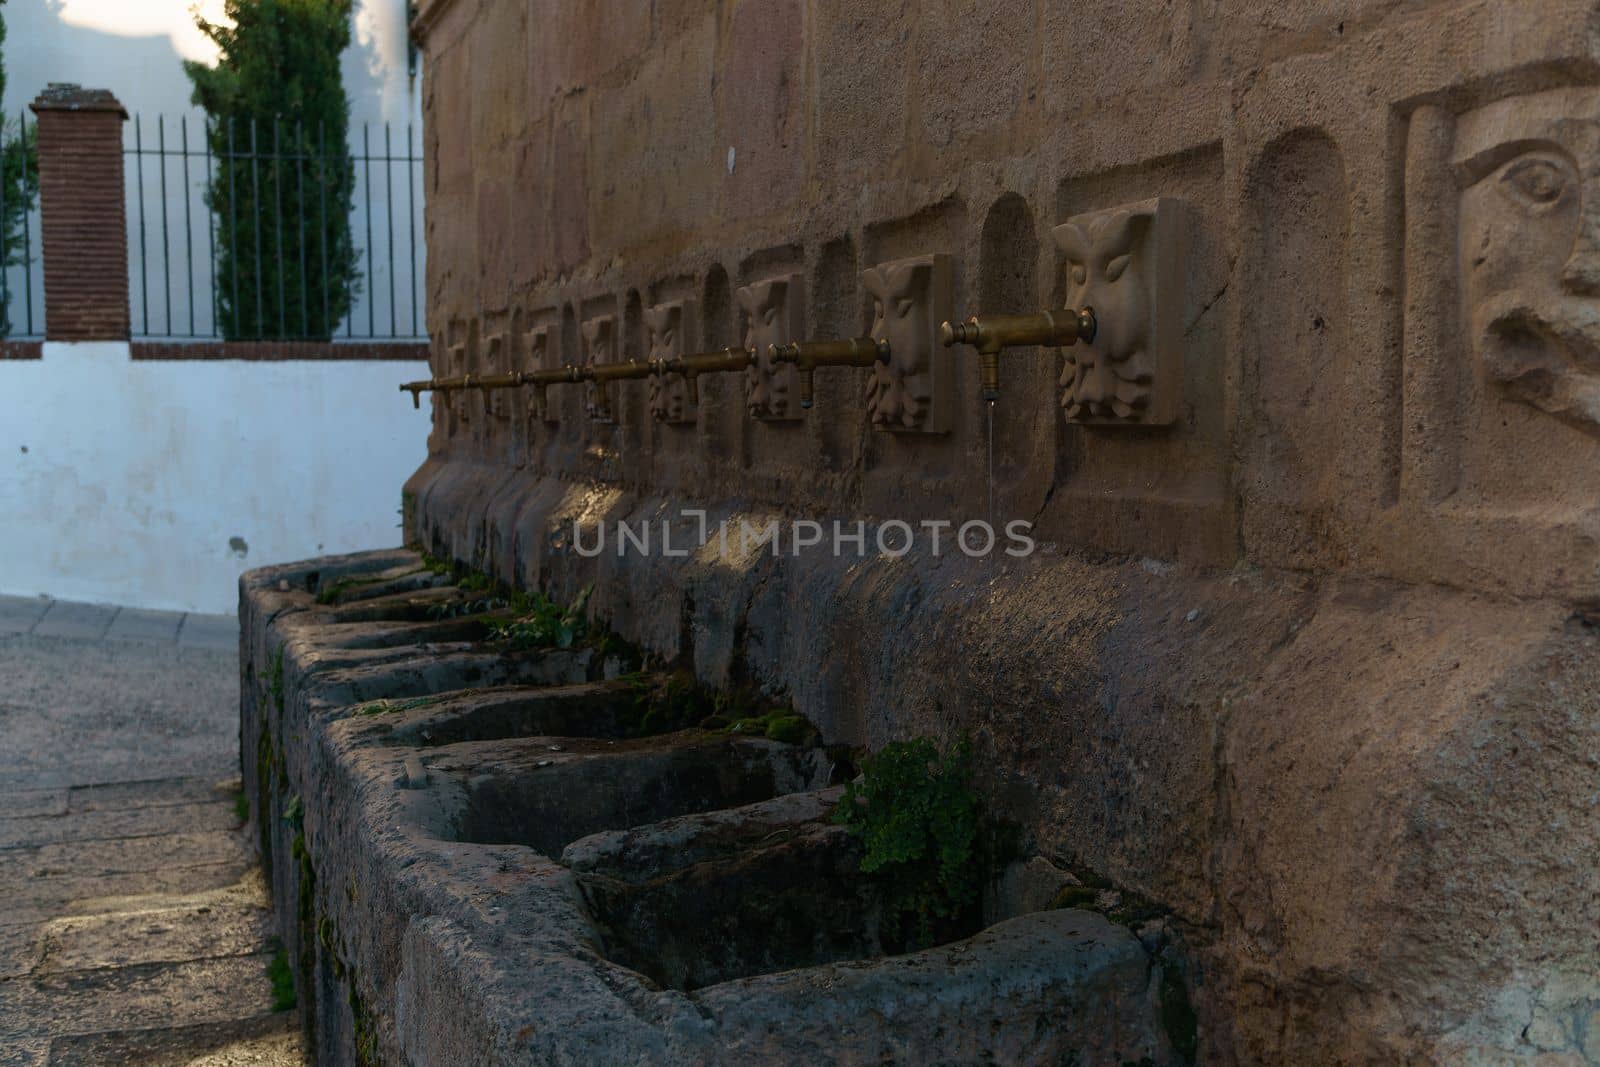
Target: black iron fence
[
  {"x": 255, "y": 230},
  {"x": 21, "y": 266}
]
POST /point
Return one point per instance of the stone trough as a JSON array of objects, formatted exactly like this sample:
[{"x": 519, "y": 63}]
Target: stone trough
[{"x": 480, "y": 857}]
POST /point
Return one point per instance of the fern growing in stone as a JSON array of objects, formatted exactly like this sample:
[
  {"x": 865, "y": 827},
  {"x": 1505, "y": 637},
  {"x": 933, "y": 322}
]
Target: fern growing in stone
[{"x": 918, "y": 819}]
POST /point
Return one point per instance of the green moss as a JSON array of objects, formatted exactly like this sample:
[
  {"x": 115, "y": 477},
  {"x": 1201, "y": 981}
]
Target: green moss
[
  {"x": 275, "y": 678},
  {"x": 1076, "y": 896},
  {"x": 282, "y": 979},
  {"x": 366, "y": 1036},
  {"x": 1177, "y": 1013},
  {"x": 919, "y": 820},
  {"x": 330, "y": 594},
  {"x": 241, "y": 806},
  {"x": 540, "y": 622}
]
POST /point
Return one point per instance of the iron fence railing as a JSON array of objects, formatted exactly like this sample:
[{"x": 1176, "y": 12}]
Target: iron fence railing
[
  {"x": 275, "y": 187},
  {"x": 21, "y": 266}
]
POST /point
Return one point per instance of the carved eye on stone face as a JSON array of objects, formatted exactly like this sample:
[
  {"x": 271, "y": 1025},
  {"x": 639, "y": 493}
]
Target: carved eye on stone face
[
  {"x": 1117, "y": 265},
  {"x": 903, "y": 306},
  {"x": 1079, "y": 274},
  {"x": 1536, "y": 181}
]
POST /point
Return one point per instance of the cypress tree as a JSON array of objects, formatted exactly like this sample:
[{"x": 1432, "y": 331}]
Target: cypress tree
[
  {"x": 283, "y": 185},
  {"x": 19, "y": 185}
]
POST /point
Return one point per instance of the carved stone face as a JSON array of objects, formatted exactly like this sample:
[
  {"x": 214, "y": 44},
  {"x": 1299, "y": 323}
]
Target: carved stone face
[
  {"x": 599, "y": 346},
  {"x": 908, "y": 303},
  {"x": 771, "y": 389},
  {"x": 665, "y": 325},
  {"x": 1529, "y": 168},
  {"x": 1107, "y": 269}
]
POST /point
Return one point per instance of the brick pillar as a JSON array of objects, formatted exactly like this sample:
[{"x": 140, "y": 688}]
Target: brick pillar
[{"x": 82, "y": 215}]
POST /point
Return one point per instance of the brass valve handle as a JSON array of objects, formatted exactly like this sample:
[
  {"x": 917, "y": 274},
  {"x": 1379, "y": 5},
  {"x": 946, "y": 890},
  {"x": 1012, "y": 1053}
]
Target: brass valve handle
[
  {"x": 807, "y": 356},
  {"x": 990, "y": 333}
]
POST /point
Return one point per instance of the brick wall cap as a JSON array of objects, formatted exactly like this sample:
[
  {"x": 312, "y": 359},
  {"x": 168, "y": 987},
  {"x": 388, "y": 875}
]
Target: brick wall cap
[{"x": 67, "y": 96}]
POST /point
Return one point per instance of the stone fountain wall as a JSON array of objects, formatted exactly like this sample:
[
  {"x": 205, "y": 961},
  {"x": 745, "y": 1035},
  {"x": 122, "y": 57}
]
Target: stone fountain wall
[{"x": 1306, "y": 653}]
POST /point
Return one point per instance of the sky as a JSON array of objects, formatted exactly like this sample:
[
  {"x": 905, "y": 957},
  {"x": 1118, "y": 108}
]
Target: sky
[
  {"x": 134, "y": 48},
  {"x": 145, "y": 18}
]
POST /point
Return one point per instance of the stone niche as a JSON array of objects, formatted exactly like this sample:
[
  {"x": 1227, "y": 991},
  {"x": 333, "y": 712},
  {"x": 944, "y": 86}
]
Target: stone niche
[
  {"x": 599, "y": 346},
  {"x": 541, "y": 350},
  {"x": 774, "y": 313},
  {"x": 671, "y": 331},
  {"x": 915, "y": 391},
  {"x": 1127, "y": 263}
]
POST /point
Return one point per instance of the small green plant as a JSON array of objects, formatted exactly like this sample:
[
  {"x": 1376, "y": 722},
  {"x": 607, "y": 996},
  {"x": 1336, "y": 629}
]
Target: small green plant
[
  {"x": 282, "y": 979},
  {"x": 275, "y": 679},
  {"x": 330, "y": 593},
  {"x": 544, "y": 623},
  {"x": 918, "y": 819}
]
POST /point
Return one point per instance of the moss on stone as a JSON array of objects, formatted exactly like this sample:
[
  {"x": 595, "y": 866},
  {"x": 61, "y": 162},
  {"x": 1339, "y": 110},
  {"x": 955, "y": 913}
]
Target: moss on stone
[{"x": 282, "y": 979}]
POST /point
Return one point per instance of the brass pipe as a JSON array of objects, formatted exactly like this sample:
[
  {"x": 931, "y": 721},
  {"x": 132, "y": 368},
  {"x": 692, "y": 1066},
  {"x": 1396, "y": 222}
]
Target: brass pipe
[
  {"x": 539, "y": 379},
  {"x": 990, "y": 333},
  {"x": 807, "y": 356},
  {"x": 692, "y": 366}
]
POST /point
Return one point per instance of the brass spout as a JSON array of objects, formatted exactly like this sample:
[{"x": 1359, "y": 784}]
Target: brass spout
[
  {"x": 692, "y": 366},
  {"x": 807, "y": 356},
  {"x": 416, "y": 389},
  {"x": 990, "y": 333}
]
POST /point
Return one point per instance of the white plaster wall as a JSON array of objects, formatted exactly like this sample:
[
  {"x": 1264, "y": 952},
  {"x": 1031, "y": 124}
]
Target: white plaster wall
[{"x": 125, "y": 482}]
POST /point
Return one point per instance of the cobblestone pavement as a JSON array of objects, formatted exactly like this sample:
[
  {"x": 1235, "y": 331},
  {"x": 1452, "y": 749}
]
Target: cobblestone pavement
[{"x": 134, "y": 924}]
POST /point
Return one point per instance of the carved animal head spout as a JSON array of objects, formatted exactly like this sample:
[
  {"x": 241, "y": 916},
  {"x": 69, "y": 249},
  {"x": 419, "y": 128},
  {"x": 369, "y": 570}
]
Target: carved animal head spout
[
  {"x": 599, "y": 346},
  {"x": 911, "y": 298},
  {"x": 536, "y": 346},
  {"x": 1529, "y": 168},
  {"x": 774, "y": 315},
  {"x": 668, "y": 326},
  {"x": 1126, "y": 264}
]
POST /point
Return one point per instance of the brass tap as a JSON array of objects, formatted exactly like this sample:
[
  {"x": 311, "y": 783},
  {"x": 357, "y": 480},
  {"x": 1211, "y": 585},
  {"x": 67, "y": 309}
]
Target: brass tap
[
  {"x": 990, "y": 333},
  {"x": 692, "y": 366},
  {"x": 807, "y": 356},
  {"x": 416, "y": 389}
]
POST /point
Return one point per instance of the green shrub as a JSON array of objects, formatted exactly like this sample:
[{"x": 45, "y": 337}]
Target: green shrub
[
  {"x": 918, "y": 819},
  {"x": 544, "y": 623}
]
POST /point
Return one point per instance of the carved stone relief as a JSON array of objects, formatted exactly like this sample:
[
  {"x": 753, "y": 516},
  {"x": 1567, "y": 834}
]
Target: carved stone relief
[
  {"x": 774, "y": 311},
  {"x": 1528, "y": 168},
  {"x": 915, "y": 390},
  {"x": 599, "y": 346},
  {"x": 670, "y": 328},
  {"x": 1127, "y": 264}
]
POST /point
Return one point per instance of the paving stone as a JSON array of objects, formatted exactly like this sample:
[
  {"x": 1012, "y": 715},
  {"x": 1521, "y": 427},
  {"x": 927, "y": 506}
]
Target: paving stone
[
  {"x": 259, "y": 1041},
  {"x": 21, "y": 803},
  {"x": 83, "y": 621},
  {"x": 103, "y": 825},
  {"x": 141, "y": 996},
  {"x": 87, "y": 894},
  {"x": 111, "y": 796},
  {"x": 121, "y": 857},
  {"x": 160, "y": 935},
  {"x": 18, "y": 614},
  {"x": 218, "y": 633},
  {"x": 136, "y": 624},
  {"x": 19, "y": 949}
]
